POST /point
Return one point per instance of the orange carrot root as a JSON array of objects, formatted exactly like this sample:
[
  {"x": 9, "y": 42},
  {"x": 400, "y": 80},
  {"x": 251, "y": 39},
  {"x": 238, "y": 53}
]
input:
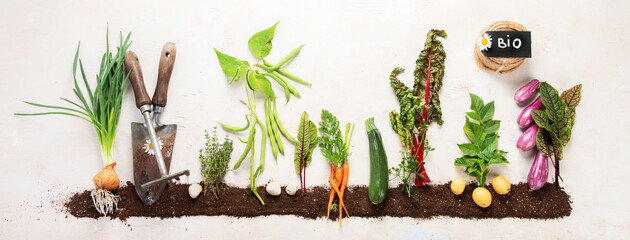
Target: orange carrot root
[
  {"x": 332, "y": 192},
  {"x": 344, "y": 183}
]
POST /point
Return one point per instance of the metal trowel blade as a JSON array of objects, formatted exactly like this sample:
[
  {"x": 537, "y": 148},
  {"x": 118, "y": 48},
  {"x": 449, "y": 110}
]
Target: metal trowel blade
[{"x": 145, "y": 166}]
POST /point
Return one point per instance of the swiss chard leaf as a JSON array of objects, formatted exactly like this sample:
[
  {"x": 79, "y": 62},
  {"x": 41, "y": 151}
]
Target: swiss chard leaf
[
  {"x": 260, "y": 43},
  {"x": 232, "y": 67}
]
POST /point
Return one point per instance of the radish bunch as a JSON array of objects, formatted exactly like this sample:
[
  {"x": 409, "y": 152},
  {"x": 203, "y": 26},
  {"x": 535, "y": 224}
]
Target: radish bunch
[{"x": 527, "y": 141}]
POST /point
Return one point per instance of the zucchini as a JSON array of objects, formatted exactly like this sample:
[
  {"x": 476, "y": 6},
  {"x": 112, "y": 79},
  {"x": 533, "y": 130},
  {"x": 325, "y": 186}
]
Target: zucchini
[{"x": 377, "y": 190}]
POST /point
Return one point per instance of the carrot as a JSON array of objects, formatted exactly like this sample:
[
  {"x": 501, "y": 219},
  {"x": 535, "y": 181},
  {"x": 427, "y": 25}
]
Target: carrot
[
  {"x": 332, "y": 192},
  {"x": 344, "y": 183}
]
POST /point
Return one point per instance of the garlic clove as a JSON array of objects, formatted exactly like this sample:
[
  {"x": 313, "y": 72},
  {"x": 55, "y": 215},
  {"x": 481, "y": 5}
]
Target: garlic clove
[
  {"x": 274, "y": 189},
  {"x": 291, "y": 189}
]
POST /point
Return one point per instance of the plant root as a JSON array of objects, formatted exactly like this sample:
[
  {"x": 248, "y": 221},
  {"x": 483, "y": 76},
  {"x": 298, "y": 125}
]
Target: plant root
[{"x": 104, "y": 201}]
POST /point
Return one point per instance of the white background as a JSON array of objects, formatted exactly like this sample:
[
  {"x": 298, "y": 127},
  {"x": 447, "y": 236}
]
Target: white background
[{"x": 349, "y": 50}]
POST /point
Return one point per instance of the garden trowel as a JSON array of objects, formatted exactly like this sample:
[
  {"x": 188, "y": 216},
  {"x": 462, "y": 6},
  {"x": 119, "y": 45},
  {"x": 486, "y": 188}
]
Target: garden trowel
[{"x": 152, "y": 142}]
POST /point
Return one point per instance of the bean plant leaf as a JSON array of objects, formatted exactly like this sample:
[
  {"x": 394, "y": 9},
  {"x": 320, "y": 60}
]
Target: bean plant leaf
[
  {"x": 306, "y": 143},
  {"x": 232, "y": 67},
  {"x": 572, "y": 96},
  {"x": 257, "y": 81},
  {"x": 260, "y": 43}
]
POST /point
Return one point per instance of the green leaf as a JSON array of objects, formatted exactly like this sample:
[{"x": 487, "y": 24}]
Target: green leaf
[
  {"x": 487, "y": 112},
  {"x": 257, "y": 81},
  {"x": 492, "y": 126},
  {"x": 572, "y": 96},
  {"x": 541, "y": 119},
  {"x": 554, "y": 105},
  {"x": 462, "y": 161},
  {"x": 476, "y": 104},
  {"x": 475, "y": 132},
  {"x": 469, "y": 149},
  {"x": 491, "y": 143},
  {"x": 474, "y": 116},
  {"x": 260, "y": 43},
  {"x": 231, "y": 66},
  {"x": 498, "y": 159},
  {"x": 541, "y": 142},
  {"x": 306, "y": 143}
]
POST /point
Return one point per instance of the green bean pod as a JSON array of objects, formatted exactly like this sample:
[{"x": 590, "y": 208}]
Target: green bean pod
[
  {"x": 276, "y": 76},
  {"x": 279, "y": 123},
  {"x": 274, "y": 147},
  {"x": 276, "y": 132},
  {"x": 252, "y": 178},
  {"x": 287, "y": 92},
  {"x": 286, "y": 59},
  {"x": 263, "y": 147},
  {"x": 235, "y": 129},
  {"x": 248, "y": 147},
  {"x": 268, "y": 66}
]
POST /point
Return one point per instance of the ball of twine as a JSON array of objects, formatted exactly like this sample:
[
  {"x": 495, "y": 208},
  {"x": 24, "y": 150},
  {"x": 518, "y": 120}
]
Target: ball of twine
[{"x": 499, "y": 65}]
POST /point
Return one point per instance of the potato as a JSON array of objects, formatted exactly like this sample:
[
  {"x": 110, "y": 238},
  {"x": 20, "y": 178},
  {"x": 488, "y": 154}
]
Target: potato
[
  {"x": 457, "y": 186},
  {"x": 501, "y": 185},
  {"x": 482, "y": 197}
]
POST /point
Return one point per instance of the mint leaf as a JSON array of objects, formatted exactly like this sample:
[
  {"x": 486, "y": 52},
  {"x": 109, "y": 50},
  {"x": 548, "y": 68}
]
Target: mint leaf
[
  {"x": 260, "y": 43},
  {"x": 232, "y": 67}
]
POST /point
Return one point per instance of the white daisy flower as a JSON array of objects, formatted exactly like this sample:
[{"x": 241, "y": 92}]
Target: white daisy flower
[
  {"x": 484, "y": 42},
  {"x": 148, "y": 147}
]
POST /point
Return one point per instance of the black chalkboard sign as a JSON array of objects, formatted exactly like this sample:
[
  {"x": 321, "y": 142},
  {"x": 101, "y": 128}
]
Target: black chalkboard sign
[{"x": 509, "y": 44}]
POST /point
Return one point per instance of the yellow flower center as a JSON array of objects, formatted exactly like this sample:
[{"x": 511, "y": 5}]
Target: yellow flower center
[
  {"x": 151, "y": 146},
  {"x": 484, "y": 41}
]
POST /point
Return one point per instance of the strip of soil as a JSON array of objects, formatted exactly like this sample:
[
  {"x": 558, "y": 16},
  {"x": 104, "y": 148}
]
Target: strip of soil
[{"x": 437, "y": 200}]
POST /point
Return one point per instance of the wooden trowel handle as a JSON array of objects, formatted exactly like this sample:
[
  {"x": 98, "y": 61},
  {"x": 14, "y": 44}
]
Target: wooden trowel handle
[
  {"x": 132, "y": 66},
  {"x": 167, "y": 60}
]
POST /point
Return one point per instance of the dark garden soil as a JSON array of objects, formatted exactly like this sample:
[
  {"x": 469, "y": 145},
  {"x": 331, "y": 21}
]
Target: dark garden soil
[{"x": 432, "y": 200}]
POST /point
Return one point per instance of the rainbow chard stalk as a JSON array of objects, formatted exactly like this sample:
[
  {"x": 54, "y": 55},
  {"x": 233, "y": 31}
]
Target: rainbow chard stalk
[
  {"x": 555, "y": 122},
  {"x": 421, "y": 106}
]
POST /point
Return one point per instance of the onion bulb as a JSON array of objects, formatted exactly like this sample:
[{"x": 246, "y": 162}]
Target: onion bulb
[{"x": 107, "y": 179}]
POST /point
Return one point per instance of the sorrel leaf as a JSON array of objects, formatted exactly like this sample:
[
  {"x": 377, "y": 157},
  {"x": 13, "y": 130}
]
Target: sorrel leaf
[{"x": 572, "y": 96}]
